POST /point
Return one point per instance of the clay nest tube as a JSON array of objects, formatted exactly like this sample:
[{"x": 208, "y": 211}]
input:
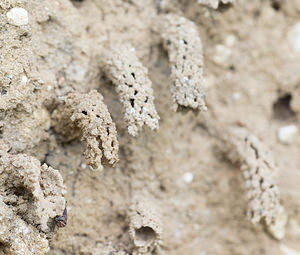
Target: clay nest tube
[
  {"x": 181, "y": 40},
  {"x": 87, "y": 116},
  {"x": 259, "y": 172},
  {"x": 145, "y": 226},
  {"x": 123, "y": 68},
  {"x": 31, "y": 196}
]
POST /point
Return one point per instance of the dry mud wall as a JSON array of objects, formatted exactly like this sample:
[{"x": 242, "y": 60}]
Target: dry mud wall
[{"x": 169, "y": 127}]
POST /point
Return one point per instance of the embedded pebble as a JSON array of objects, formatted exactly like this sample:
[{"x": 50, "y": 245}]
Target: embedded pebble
[
  {"x": 294, "y": 37},
  {"x": 288, "y": 251},
  {"x": 17, "y": 16},
  {"x": 188, "y": 177},
  {"x": 277, "y": 228},
  {"x": 24, "y": 80},
  {"x": 222, "y": 54},
  {"x": 287, "y": 134},
  {"x": 230, "y": 40},
  {"x": 236, "y": 96}
]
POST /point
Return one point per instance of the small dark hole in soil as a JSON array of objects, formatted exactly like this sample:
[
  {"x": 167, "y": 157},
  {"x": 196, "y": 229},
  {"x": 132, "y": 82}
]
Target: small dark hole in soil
[
  {"x": 77, "y": 3},
  {"x": 275, "y": 5},
  {"x": 282, "y": 108},
  {"x": 135, "y": 92},
  {"x": 84, "y": 112},
  {"x": 132, "y": 102},
  {"x": 133, "y": 75},
  {"x": 2, "y": 245},
  {"x": 232, "y": 68},
  {"x": 224, "y": 7},
  {"x": 3, "y": 92},
  {"x": 21, "y": 191},
  {"x": 162, "y": 188}
]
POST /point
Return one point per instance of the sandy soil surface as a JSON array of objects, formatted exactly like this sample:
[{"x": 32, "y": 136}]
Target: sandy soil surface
[{"x": 74, "y": 105}]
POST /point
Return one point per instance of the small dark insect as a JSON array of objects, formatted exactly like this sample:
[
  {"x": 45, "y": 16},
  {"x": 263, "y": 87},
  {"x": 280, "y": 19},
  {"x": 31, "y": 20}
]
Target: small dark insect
[{"x": 61, "y": 221}]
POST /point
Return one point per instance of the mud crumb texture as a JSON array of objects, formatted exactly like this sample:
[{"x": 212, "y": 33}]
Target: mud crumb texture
[
  {"x": 17, "y": 237},
  {"x": 145, "y": 226},
  {"x": 30, "y": 196},
  {"x": 259, "y": 172},
  {"x": 87, "y": 116},
  {"x": 124, "y": 69},
  {"x": 182, "y": 41}
]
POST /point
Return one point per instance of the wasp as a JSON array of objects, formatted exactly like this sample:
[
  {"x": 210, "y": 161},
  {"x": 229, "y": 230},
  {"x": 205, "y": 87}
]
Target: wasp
[{"x": 61, "y": 220}]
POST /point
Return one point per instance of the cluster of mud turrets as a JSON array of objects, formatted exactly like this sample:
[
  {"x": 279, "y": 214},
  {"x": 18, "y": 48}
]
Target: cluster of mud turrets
[
  {"x": 32, "y": 194},
  {"x": 41, "y": 105}
]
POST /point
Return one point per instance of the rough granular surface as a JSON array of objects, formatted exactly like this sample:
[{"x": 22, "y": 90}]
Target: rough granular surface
[
  {"x": 31, "y": 196},
  {"x": 182, "y": 41},
  {"x": 134, "y": 87},
  {"x": 89, "y": 114},
  {"x": 145, "y": 226},
  {"x": 259, "y": 171},
  {"x": 172, "y": 191},
  {"x": 17, "y": 237}
]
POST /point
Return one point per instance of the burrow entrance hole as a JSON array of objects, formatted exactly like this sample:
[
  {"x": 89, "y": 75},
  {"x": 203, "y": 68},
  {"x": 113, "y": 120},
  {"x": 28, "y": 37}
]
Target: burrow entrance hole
[
  {"x": 77, "y": 3},
  {"x": 145, "y": 235},
  {"x": 282, "y": 108}
]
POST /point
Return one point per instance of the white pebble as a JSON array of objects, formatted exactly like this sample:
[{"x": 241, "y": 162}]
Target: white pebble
[
  {"x": 83, "y": 166},
  {"x": 277, "y": 228},
  {"x": 230, "y": 40},
  {"x": 24, "y": 80},
  {"x": 294, "y": 37},
  {"x": 222, "y": 54},
  {"x": 17, "y": 16},
  {"x": 188, "y": 177},
  {"x": 288, "y": 251},
  {"x": 236, "y": 96},
  {"x": 287, "y": 134}
]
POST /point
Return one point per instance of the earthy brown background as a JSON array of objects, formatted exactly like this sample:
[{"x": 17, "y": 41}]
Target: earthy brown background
[{"x": 252, "y": 73}]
